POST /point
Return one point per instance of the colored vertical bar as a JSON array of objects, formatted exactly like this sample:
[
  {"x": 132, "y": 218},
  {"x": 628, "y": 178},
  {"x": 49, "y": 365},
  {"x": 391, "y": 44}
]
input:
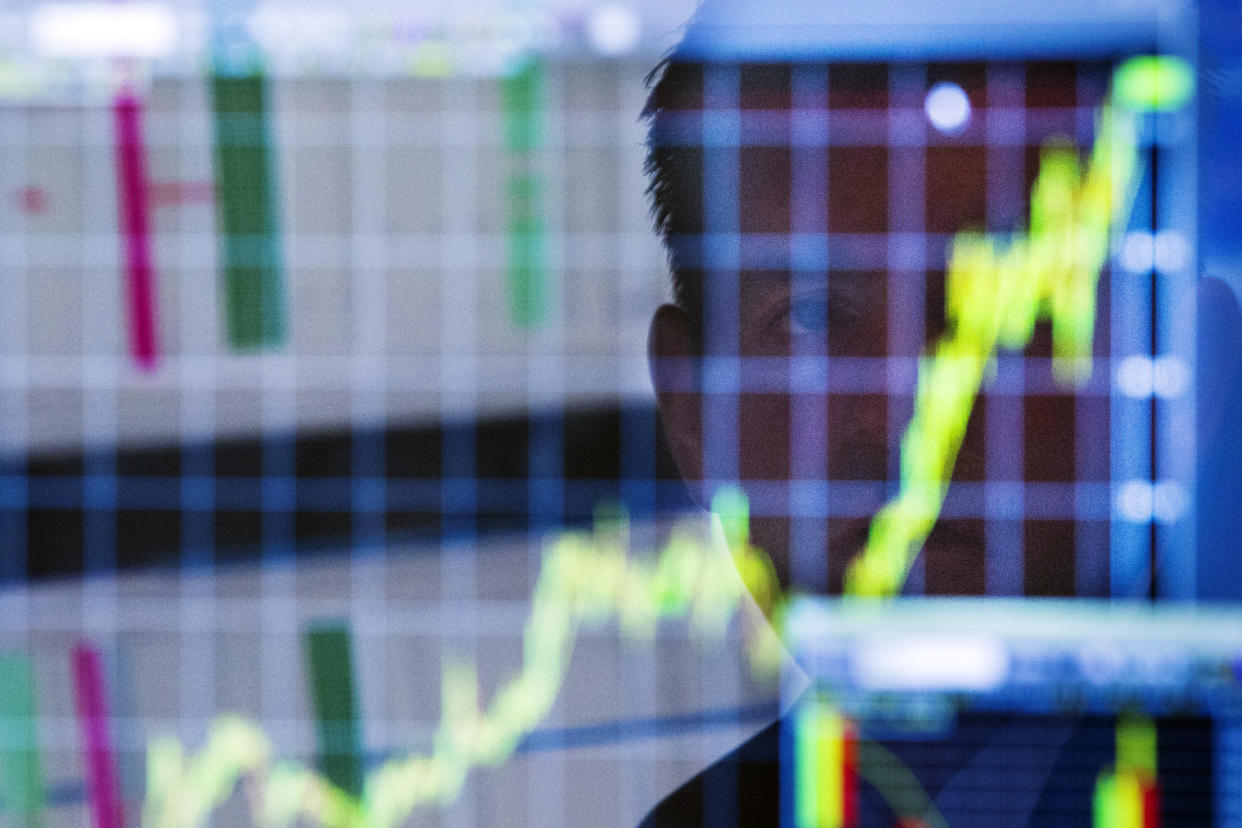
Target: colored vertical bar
[
  {"x": 818, "y": 762},
  {"x": 849, "y": 775},
  {"x": 21, "y": 778},
  {"x": 1104, "y": 802},
  {"x": 521, "y": 94},
  {"x": 1129, "y": 796},
  {"x": 246, "y": 210},
  {"x": 1136, "y": 757},
  {"x": 1151, "y": 806},
  {"x": 1136, "y": 746},
  {"x": 102, "y": 791},
  {"x": 135, "y": 215},
  {"x": 828, "y": 747},
  {"x": 527, "y": 263},
  {"x": 1129, "y": 801},
  {"x": 1120, "y": 801},
  {"x": 521, "y": 100},
  {"x": 329, "y": 656},
  {"x": 806, "y": 790}
]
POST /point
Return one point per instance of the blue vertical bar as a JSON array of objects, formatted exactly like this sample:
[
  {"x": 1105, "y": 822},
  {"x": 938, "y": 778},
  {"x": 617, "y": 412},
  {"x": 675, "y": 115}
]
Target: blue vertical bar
[
  {"x": 808, "y": 410},
  {"x": 278, "y": 497},
  {"x": 1227, "y": 782},
  {"x": 1175, "y": 436},
  {"x": 721, "y": 256},
  {"x": 721, "y": 137},
  {"x": 99, "y": 500},
  {"x": 14, "y": 507},
  {"x": 1004, "y": 415},
  {"x": 1218, "y": 380},
  {"x": 368, "y": 489},
  {"x": 1130, "y": 431},
  {"x": 908, "y": 261}
]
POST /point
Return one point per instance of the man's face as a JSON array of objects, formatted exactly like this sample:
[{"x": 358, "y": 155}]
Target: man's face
[
  {"x": 797, "y": 377},
  {"x": 823, "y": 388}
]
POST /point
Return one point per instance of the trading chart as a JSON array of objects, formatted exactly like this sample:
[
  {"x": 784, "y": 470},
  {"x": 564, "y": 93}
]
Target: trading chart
[{"x": 496, "y": 413}]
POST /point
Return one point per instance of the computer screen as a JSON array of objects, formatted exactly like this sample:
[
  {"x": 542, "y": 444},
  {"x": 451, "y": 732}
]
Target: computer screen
[{"x": 571, "y": 413}]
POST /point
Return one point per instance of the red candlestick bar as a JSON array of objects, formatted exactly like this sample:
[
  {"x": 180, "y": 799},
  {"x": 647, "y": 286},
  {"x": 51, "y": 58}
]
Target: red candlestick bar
[{"x": 135, "y": 227}]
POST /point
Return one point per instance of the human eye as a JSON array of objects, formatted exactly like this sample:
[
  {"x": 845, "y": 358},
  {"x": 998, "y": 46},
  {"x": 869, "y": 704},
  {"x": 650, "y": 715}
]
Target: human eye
[
  {"x": 829, "y": 312},
  {"x": 808, "y": 315}
]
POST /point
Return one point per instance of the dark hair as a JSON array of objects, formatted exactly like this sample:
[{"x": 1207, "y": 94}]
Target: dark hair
[
  {"x": 673, "y": 171},
  {"x": 675, "y": 164}
]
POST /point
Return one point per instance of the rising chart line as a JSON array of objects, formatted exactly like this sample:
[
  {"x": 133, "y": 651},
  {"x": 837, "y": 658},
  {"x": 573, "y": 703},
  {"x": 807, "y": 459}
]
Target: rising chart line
[
  {"x": 996, "y": 290},
  {"x": 585, "y": 579}
]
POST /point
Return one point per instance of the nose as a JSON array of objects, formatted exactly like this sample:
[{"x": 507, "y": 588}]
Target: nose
[{"x": 857, "y": 436}]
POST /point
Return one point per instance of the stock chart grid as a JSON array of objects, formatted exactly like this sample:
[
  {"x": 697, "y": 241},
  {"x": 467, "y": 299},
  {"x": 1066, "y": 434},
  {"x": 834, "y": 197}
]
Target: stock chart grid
[
  {"x": 309, "y": 377},
  {"x": 389, "y": 413}
]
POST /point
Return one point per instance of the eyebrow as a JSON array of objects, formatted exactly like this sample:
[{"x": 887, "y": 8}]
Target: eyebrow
[
  {"x": 777, "y": 286},
  {"x": 785, "y": 252}
]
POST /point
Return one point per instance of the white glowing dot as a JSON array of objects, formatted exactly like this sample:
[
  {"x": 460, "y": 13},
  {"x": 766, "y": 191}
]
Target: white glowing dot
[
  {"x": 947, "y": 107},
  {"x": 1134, "y": 377},
  {"x": 1168, "y": 501},
  {"x": 1170, "y": 377},
  {"x": 1138, "y": 251},
  {"x": 1171, "y": 251},
  {"x": 614, "y": 29},
  {"x": 1134, "y": 501}
]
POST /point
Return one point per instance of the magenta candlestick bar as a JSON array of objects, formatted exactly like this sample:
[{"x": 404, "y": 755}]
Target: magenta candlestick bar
[
  {"x": 102, "y": 791},
  {"x": 135, "y": 219}
]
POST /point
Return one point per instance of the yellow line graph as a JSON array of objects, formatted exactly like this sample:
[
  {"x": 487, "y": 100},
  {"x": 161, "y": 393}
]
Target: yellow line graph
[
  {"x": 994, "y": 294},
  {"x": 585, "y": 579}
]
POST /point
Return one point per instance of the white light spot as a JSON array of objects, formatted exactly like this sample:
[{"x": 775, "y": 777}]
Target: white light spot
[
  {"x": 1134, "y": 377},
  {"x": 614, "y": 29},
  {"x": 1134, "y": 501},
  {"x": 144, "y": 30},
  {"x": 1169, "y": 501},
  {"x": 931, "y": 661},
  {"x": 1170, "y": 377},
  {"x": 1171, "y": 251},
  {"x": 1138, "y": 251},
  {"x": 947, "y": 107}
]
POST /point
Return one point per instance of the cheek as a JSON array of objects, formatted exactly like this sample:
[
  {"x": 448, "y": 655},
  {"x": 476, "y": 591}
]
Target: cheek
[
  {"x": 813, "y": 437},
  {"x": 764, "y": 437},
  {"x": 858, "y": 438}
]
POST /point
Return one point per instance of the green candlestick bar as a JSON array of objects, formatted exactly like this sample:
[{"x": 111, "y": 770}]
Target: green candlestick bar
[
  {"x": 522, "y": 101},
  {"x": 528, "y": 295},
  {"x": 328, "y": 654},
  {"x": 21, "y": 778},
  {"x": 246, "y": 210},
  {"x": 521, "y": 98}
]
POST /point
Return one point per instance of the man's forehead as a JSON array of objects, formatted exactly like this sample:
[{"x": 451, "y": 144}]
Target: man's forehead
[
  {"x": 760, "y": 285},
  {"x": 816, "y": 148},
  {"x": 760, "y": 291},
  {"x": 773, "y": 170},
  {"x": 803, "y": 252},
  {"x": 837, "y": 165},
  {"x": 778, "y": 86}
]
